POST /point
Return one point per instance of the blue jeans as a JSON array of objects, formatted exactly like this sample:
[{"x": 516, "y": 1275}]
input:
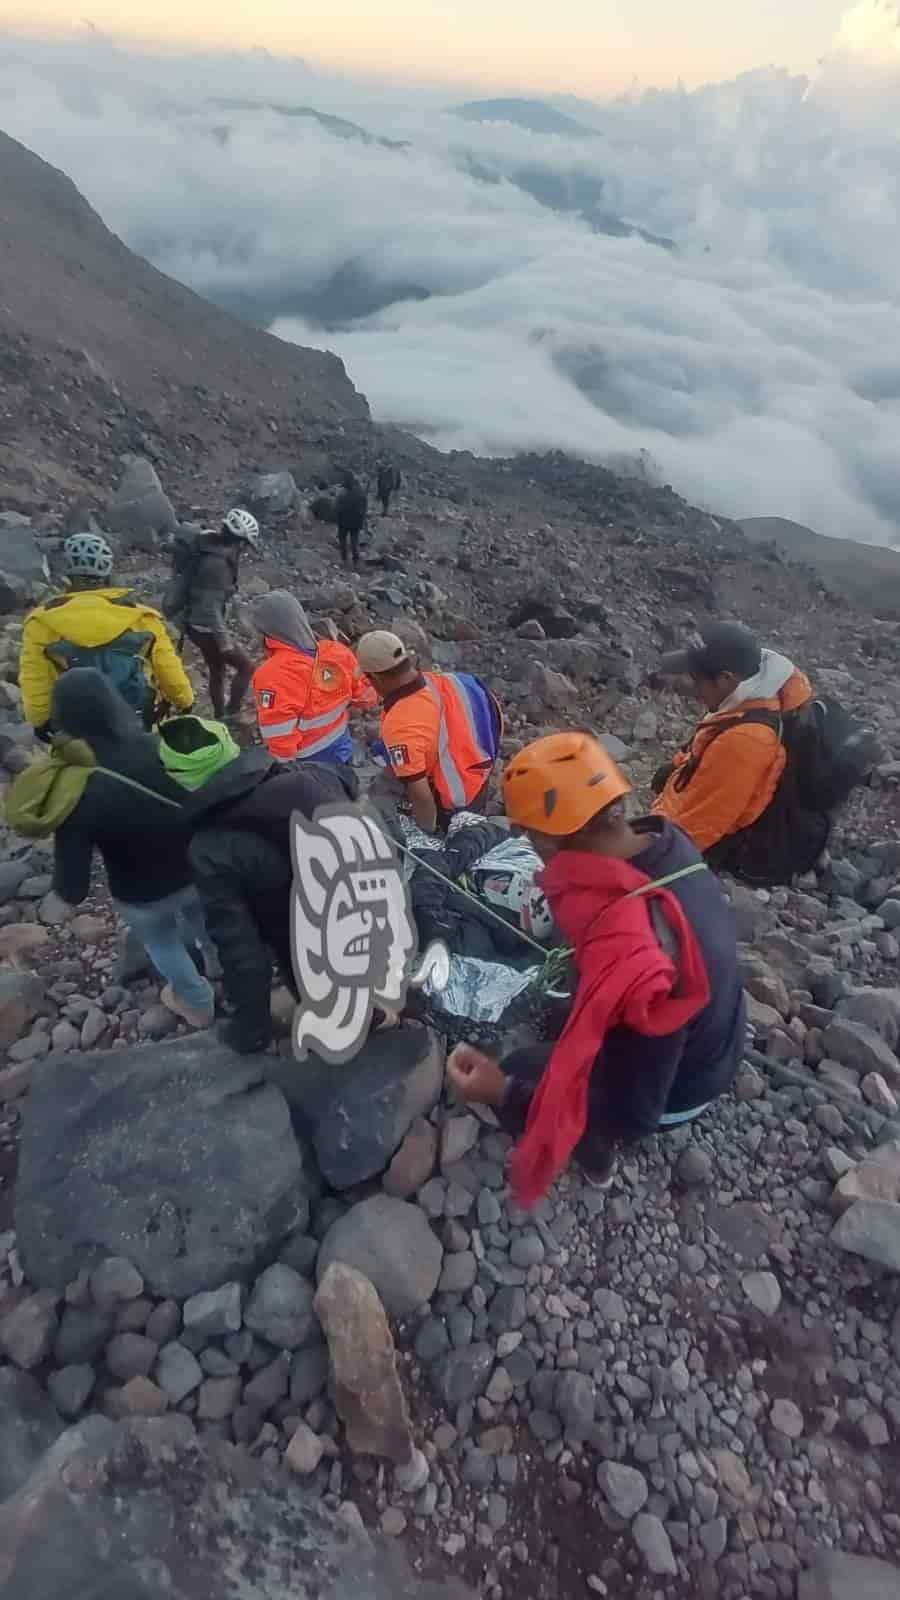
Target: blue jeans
[{"x": 170, "y": 930}]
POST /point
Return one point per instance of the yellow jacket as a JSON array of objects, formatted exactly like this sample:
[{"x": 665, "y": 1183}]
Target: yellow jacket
[{"x": 88, "y": 618}]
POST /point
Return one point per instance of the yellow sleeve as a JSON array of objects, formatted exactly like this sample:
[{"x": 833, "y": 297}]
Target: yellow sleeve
[
  {"x": 169, "y": 676},
  {"x": 37, "y": 675}
]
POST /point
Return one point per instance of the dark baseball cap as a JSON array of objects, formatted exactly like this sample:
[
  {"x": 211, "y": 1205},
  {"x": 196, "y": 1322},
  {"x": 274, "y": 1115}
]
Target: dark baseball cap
[{"x": 722, "y": 647}]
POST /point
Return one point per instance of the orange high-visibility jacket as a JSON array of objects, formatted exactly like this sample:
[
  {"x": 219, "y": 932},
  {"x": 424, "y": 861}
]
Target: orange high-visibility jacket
[
  {"x": 303, "y": 701},
  {"x": 738, "y": 775},
  {"x": 445, "y": 727}
]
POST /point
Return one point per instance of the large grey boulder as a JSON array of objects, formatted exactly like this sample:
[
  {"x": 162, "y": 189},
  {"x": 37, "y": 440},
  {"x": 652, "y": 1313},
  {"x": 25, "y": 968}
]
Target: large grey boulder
[
  {"x": 358, "y": 1116},
  {"x": 179, "y": 1159},
  {"x": 24, "y": 572},
  {"x": 29, "y": 1425},
  {"x": 137, "y": 1510},
  {"x": 140, "y": 511},
  {"x": 871, "y": 1229},
  {"x": 272, "y": 492},
  {"x": 391, "y": 1244},
  {"x": 835, "y": 1576}
]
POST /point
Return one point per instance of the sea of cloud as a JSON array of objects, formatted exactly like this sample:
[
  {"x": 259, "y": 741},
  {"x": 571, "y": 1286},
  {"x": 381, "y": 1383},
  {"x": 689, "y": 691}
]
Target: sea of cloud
[{"x": 758, "y": 363}]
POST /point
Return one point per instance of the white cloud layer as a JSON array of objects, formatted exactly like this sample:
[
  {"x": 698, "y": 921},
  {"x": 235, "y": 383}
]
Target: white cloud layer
[{"x": 759, "y": 364}]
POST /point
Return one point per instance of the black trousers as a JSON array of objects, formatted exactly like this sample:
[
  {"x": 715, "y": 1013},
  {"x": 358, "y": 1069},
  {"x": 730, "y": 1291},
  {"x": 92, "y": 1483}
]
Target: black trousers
[
  {"x": 605, "y": 1128},
  {"x": 219, "y": 654}
]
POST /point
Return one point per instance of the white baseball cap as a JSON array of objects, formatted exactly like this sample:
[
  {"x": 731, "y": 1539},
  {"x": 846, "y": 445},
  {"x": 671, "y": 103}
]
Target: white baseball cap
[{"x": 381, "y": 651}]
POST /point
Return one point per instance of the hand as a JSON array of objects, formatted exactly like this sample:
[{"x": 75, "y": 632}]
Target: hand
[{"x": 476, "y": 1078}]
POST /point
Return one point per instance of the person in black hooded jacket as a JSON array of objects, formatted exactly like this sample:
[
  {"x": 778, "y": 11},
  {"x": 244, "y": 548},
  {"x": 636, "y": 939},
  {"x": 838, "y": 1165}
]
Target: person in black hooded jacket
[
  {"x": 143, "y": 840},
  {"x": 239, "y": 811}
]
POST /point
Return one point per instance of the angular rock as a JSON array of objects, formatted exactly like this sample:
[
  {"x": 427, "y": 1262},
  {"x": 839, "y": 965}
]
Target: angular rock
[
  {"x": 650, "y": 1536},
  {"x": 868, "y": 1181},
  {"x": 114, "y": 1282},
  {"x": 29, "y": 1425},
  {"x": 462, "y": 1375},
  {"x": 871, "y": 1229},
  {"x": 70, "y": 1389},
  {"x": 414, "y": 1162},
  {"x": 304, "y": 1452},
  {"x": 367, "y": 1392},
  {"x": 28, "y": 1331},
  {"x": 391, "y": 1244},
  {"x": 575, "y": 1400},
  {"x": 787, "y": 1418},
  {"x": 876, "y": 1092},
  {"x": 269, "y": 1384},
  {"x": 140, "y": 510},
  {"x": 138, "y": 1398},
  {"x": 763, "y": 1291},
  {"x": 853, "y": 1044},
  {"x": 280, "y": 1309},
  {"x": 21, "y": 998},
  {"x": 178, "y": 1372},
  {"x": 625, "y": 1488},
  {"x": 177, "y": 1159},
  {"x": 272, "y": 492},
  {"x": 105, "y": 1514},
  {"x": 459, "y": 1135},
  {"x": 216, "y": 1312},
  {"x": 358, "y": 1117},
  {"x": 217, "y": 1398},
  {"x": 130, "y": 1355},
  {"x": 835, "y": 1576}
]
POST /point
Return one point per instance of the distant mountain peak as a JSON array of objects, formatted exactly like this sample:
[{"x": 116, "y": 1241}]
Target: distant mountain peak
[{"x": 536, "y": 116}]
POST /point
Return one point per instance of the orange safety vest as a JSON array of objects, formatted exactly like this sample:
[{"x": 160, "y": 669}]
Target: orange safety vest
[
  {"x": 303, "y": 701},
  {"x": 446, "y": 729}
]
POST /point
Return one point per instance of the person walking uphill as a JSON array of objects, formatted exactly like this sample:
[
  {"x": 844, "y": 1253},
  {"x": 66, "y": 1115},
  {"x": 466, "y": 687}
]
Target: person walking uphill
[
  {"x": 98, "y": 625},
  {"x": 657, "y": 1025},
  {"x": 203, "y": 585},
  {"x": 104, "y": 788},
  {"x": 305, "y": 687},
  {"x": 726, "y": 776},
  {"x": 441, "y": 730},
  {"x": 351, "y": 509},
  {"x": 239, "y": 807}
]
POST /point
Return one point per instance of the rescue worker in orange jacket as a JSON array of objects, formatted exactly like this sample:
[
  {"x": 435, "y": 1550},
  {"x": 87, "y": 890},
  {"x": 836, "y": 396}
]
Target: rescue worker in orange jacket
[
  {"x": 440, "y": 730},
  {"x": 305, "y": 687},
  {"x": 727, "y": 774}
]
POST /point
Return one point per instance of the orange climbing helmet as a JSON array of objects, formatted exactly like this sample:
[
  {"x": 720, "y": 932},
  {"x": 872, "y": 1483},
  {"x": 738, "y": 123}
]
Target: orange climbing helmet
[{"x": 557, "y": 784}]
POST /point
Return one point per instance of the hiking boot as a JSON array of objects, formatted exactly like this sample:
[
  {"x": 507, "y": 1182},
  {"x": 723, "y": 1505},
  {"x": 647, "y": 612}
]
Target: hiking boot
[
  {"x": 194, "y": 1016},
  {"x": 600, "y": 1172},
  {"x": 133, "y": 963}
]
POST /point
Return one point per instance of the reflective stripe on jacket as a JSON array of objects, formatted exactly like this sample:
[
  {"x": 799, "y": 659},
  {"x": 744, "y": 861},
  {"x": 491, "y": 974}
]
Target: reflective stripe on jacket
[
  {"x": 445, "y": 728},
  {"x": 303, "y": 701}
]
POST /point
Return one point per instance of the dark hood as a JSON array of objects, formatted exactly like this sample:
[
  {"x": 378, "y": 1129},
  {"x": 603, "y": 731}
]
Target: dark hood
[
  {"x": 86, "y": 706},
  {"x": 259, "y": 793}
]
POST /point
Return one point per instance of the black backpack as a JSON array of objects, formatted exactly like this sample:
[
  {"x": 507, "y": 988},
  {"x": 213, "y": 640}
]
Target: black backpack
[
  {"x": 185, "y": 556},
  {"x": 828, "y": 755}
]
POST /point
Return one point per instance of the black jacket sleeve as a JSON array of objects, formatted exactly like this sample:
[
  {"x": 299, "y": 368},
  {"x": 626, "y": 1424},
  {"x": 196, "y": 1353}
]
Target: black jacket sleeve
[{"x": 73, "y": 849}]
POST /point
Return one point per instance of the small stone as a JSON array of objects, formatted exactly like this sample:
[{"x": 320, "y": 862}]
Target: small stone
[
  {"x": 28, "y": 1331},
  {"x": 763, "y": 1291},
  {"x": 217, "y": 1398},
  {"x": 609, "y": 1306},
  {"x": 412, "y": 1476},
  {"x": 650, "y": 1536},
  {"x": 624, "y": 1487},
  {"x": 70, "y": 1389},
  {"x": 215, "y": 1313},
  {"x": 733, "y": 1475},
  {"x": 309, "y": 1375},
  {"x": 575, "y": 1400},
  {"x": 876, "y": 1092},
  {"x": 280, "y": 1309},
  {"x": 393, "y": 1522},
  {"x": 694, "y": 1167},
  {"x": 871, "y": 1229},
  {"x": 787, "y": 1418},
  {"x": 268, "y": 1385},
  {"x": 178, "y": 1372},
  {"x": 459, "y": 1273},
  {"x": 140, "y": 1398},
  {"x": 414, "y": 1162},
  {"x": 459, "y": 1135},
  {"x": 115, "y": 1280},
  {"x": 305, "y": 1451},
  {"x": 527, "y": 1250},
  {"x": 875, "y": 1430},
  {"x": 93, "y": 1028},
  {"x": 164, "y": 1323},
  {"x": 130, "y": 1355}
]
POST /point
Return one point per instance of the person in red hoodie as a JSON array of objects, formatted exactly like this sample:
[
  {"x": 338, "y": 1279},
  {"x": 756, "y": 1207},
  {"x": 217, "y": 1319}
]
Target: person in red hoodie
[{"x": 657, "y": 1025}]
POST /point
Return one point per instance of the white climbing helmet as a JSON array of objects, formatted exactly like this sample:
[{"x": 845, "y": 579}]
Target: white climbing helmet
[
  {"x": 242, "y": 524},
  {"x": 87, "y": 555}
]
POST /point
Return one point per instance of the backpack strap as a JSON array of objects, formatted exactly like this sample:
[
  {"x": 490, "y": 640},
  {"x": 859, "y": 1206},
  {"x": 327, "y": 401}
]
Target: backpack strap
[
  {"x": 132, "y": 783},
  {"x": 761, "y": 718}
]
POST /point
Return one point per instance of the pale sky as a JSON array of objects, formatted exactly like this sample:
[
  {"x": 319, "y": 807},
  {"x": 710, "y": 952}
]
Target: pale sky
[{"x": 581, "y": 45}]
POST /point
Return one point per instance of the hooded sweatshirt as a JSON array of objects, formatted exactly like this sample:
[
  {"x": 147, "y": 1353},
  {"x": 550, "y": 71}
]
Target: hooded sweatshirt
[
  {"x": 304, "y": 689},
  {"x": 143, "y": 840},
  {"x": 722, "y": 782},
  {"x": 92, "y": 618},
  {"x": 194, "y": 749},
  {"x": 626, "y": 980}
]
